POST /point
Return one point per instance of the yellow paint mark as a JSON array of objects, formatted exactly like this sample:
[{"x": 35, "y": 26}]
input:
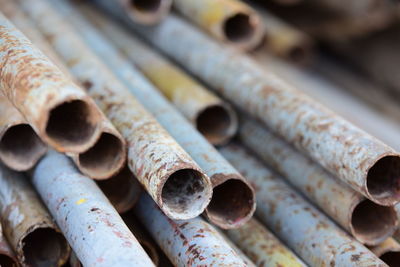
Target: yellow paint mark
[{"x": 81, "y": 201}]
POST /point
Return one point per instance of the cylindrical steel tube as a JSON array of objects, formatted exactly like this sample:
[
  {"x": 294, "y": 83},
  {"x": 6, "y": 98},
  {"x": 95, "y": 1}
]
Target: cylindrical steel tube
[
  {"x": 388, "y": 251},
  {"x": 213, "y": 117},
  {"x": 145, "y": 12},
  {"x": 20, "y": 146},
  {"x": 362, "y": 161},
  {"x": 123, "y": 189},
  {"x": 7, "y": 257},
  {"x": 368, "y": 222},
  {"x": 166, "y": 171},
  {"x": 61, "y": 113},
  {"x": 233, "y": 201},
  {"x": 238, "y": 251},
  {"x": 263, "y": 248},
  {"x": 297, "y": 223},
  {"x": 27, "y": 224},
  {"x": 91, "y": 225},
  {"x": 186, "y": 243}
]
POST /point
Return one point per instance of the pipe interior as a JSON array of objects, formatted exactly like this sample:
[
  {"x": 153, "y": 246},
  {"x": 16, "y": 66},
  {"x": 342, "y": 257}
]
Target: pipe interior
[
  {"x": 104, "y": 157},
  {"x": 383, "y": 179},
  {"x": 239, "y": 28},
  {"x": 71, "y": 123},
  {"x": 146, "y": 6},
  {"x": 232, "y": 201},
  {"x": 216, "y": 124},
  {"x": 391, "y": 258},
  {"x": 6, "y": 261},
  {"x": 44, "y": 247},
  {"x": 21, "y": 145},
  {"x": 372, "y": 222}
]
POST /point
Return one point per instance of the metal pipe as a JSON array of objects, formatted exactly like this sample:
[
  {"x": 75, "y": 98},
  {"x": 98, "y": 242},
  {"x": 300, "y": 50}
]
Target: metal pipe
[
  {"x": 308, "y": 232},
  {"x": 368, "y": 222},
  {"x": 166, "y": 171},
  {"x": 147, "y": 12},
  {"x": 362, "y": 161},
  {"x": 7, "y": 257},
  {"x": 388, "y": 251},
  {"x": 61, "y": 113},
  {"x": 213, "y": 117},
  {"x": 123, "y": 190},
  {"x": 238, "y": 251},
  {"x": 27, "y": 224},
  {"x": 91, "y": 225},
  {"x": 20, "y": 146},
  {"x": 230, "y": 21},
  {"x": 186, "y": 243},
  {"x": 263, "y": 248},
  {"x": 229, "y": 186}
]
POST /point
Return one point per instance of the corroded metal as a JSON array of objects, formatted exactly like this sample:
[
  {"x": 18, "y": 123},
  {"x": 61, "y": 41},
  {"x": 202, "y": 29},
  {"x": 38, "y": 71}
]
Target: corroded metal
[
  {"x": 145, "y": 12},
  {"x": 7, "y": 257},
  {"x": 362, "y": 161},
  {"x": 20, "y": 146},
  {"x": 61, "y": 113},
  {"x": 368, "y": 222},
  {"x": 303, "y": 228},
  {"x": 27, "y": 224},
  {"x": 166, "y": 171},
  {"x": 186, "y": 243},
  {"x": 263, "y": 248},
  {"x": 229, "y": 186},
  {"x": 388, "y": 251},
  {"x": 238, "y": 251},
  {"x": 230, "y": 21},
  {"x": 91, "y": 225},
  {"x": 213, "y": 117}
]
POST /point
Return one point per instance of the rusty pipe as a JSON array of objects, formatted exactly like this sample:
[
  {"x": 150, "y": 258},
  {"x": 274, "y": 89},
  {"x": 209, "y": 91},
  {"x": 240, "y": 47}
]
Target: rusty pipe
[
  {"x": 388, "y": 251},
  {"x": 166, "y": 171},
  {"x": 229, "y": 186},
  {"x": 7, "y": 256},
  {"x": 27, "y": 224},
  {"x": 239, "y": 252},
  {"x": 309, "y": 233},
  {"x": 91, "y": 225}
]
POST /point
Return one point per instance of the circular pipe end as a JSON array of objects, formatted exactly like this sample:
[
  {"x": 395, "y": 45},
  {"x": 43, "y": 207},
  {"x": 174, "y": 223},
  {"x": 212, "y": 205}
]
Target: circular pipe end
[{"x": 148, "y": 12}]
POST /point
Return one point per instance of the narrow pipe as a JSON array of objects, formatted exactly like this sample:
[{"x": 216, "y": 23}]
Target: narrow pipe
[
  {"x": 61, "y": 113},
  {"x": 91, "y": 225},
  {"x": 230, "y": 21},
  {"x": 20, "y": 146},
  {"x": 368, "y": 222},
  {"x": 123, "y": 189},
  {"x": 308, "y": 232},
  {"x": 229, "y": 186},
  {"x": 388, "y": 251},
  {"x": 362, "y": 161},
  {"x": 7, "y": 257},
  {"x": 186, "y": 243},
  {"x": 263, "y": 248},
  {"x": 213, "y": 117},
  {"x": 27, "y": 224},
  {"x": 166, "y": 171},
  {"x": 146, "y": 12}
]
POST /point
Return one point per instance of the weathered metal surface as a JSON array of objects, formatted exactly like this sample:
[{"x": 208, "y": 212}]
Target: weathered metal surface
[
  {"x": 146, "y": 12},
  {"x": 61, "y": 113},
  {"x": 123, "y": 189},
  {"x": 91, "y": 225},
  {"x": 213, "y": 117},
  {"x": 20, "y": 146},
  {"x": 27, "y": 224},
  {"x": 187, "y": 243},
  {"x": 368, "y": 222},
  {"x": 166, "y": 171},
  {"x": 230, "y": 21},
  {"x": 7, "y": 257},
  {"x": 263, "y": 248},
  {"x": 233, "y": 201},
  {"x": 309, "y": 233},
  {"x": 388, "y": 251},
  {"x": 365, "y": 163}
]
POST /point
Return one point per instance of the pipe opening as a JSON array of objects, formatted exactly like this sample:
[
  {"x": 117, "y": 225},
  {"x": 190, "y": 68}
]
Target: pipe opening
[
  {"x": 391, "y": 258},
  {"x": 44, "y": 247},
  {"x": 104, "y": 158},
  {"x": 71, "y": 123},
  {"x": 186, "y": 193},
  {"x": 146, "y": 6},
  {"x": 383, "y": 180},
  {"x": 7, "y": 261},
  {"x": 21, "y": 147},
  {"x": 239, "y": 28},
  {"x": 232, "y": 202},
  {"x": 217, "y": 124},
  {"x": 123, "y": 190},
  {"x": 373, "y": 223}
]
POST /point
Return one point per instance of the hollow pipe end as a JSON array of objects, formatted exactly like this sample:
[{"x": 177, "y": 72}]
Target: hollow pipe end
[{"x": 147, "y": 12}]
